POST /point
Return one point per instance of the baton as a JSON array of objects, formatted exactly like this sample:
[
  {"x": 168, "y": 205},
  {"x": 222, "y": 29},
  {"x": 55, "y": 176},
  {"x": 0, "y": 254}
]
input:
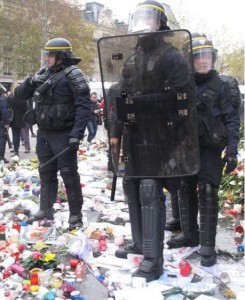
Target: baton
[
  {"x": 55, "y": 157},
  {"x": 113, "y": 187},
  {"x": 115, "y": 161}
]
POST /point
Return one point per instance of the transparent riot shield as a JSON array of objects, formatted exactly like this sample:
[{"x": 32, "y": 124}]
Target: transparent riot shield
[{"x": 149, "y": 91}]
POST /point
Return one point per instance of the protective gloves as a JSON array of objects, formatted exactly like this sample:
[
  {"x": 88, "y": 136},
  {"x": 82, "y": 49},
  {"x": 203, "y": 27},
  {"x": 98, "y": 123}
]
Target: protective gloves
[
  {"x": 230, "y": 162},
  {"x": 38, "y": 79},
  {"x": 74, "y": 144}
]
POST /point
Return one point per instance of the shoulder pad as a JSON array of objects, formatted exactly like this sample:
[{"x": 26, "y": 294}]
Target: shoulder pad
[
  {"x": 234, "y": 89},
  {"x": 77, "y": 80}
]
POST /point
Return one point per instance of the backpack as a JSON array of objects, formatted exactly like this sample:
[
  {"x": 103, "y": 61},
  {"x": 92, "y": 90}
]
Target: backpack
[{"x": 234, "y": 88}]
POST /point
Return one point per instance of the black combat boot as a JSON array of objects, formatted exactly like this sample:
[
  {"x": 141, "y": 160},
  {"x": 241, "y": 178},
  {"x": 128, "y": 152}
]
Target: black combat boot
[
  {"x": 153, "y": 220},
  {"x": 208, "y": 196},
  {"x": 71, "y": 180},
  {"x": 131, "y": 191},
  {"x": 75, "y": 221},
  {"x": 188, "y": 203},
  {"x": 48, "y": 194}
]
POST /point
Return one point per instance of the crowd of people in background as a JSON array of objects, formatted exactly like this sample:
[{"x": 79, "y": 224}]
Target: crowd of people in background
[
  {"x": 12, "y": 112},
  {"x": 15, "y": 132}
]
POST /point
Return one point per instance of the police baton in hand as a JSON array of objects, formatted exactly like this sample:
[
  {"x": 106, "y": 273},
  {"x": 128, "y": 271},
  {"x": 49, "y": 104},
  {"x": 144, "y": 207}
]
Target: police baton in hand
[
  {"x": 115, "y": 153},
  {"x": 55, "y": 157}
]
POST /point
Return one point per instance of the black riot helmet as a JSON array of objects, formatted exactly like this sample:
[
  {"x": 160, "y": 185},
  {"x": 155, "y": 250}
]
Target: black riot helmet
[
  {"x": 62, "y": 49},
  {"x": 201, "y": 44},
  {"x": 202, "y": 48},
  {"x": 149, "y": 16}
]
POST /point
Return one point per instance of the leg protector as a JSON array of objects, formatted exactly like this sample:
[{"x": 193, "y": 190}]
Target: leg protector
[
  {"x": 48, "y": 194},
  {"x": 174, "y": 222},
  {"x": 208, "y": 196},
  {"x": 188, "y": 202},
  {"x": 153, "y": 221},
  {"x": 131, "y": 191},
  {"x": 71, "y": 180}
]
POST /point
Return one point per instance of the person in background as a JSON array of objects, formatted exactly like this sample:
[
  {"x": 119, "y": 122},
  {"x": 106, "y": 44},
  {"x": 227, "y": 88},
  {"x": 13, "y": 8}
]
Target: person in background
[
  {"x": 25, "y": 133},
  {"x": 218, "y": 123},
  {"x": 19, "y": 107},
  {"x": 61, "y": 117},
  {"x": 4, "y": 125},
  {"x": 30, "y": 106},
  {"x": 92, "y": 125}
]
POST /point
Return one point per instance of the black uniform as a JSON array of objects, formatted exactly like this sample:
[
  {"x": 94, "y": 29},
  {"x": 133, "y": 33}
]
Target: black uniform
[
  {"x": 219, "y": 119},
  {"x": 62, "y": 114},
  {"x": 154, "y": 66}
]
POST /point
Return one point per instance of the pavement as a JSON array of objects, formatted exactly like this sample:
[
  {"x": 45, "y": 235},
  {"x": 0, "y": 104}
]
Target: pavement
[{"x": 230, "y": 260}]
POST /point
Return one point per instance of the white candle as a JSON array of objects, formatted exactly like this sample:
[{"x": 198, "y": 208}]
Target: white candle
[{"x": 238, "y": 208}]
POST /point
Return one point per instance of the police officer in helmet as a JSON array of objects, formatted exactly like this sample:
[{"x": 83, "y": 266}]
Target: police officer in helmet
[
  {"x": 218, "y": 124},
  {"x": 62, "y": 98},
  {"x": 152, "y": 75}
]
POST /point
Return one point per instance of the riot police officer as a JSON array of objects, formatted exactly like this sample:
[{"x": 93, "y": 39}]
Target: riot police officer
[
  {"x": 218, "y": 123},
  {"x": 62, "y": 109},
  {"x": 144, "y": 111}
]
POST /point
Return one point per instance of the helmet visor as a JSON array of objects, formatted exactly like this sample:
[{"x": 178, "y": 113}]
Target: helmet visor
[
  {"x": 145, "y": 19},
  {"x": 203, "y": 60}
]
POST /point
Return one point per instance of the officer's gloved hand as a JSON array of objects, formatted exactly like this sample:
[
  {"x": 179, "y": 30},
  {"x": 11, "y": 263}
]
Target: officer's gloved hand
[
  {"x": 74, "y": 144},
  {"x": 230, "y": 161},
  {"x": 38, "y": 79}
]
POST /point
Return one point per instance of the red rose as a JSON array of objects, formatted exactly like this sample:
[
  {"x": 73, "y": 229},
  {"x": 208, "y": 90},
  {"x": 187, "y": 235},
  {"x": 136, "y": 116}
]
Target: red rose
[{"x": 36, "y": 255}]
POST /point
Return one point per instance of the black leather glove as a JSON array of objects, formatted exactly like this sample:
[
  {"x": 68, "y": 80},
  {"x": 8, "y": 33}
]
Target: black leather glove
[
  {"x": 230, "y": 161},
  {"x": 38, "y": 79},
  {"x": 74, "y": 144}
]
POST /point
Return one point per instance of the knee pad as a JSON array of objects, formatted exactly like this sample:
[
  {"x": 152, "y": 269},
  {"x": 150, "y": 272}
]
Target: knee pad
[
  {"x": 48, "y": 175},
  {"x": 150, "y": 191},
  {"x": 131, "y": 189},
  {"x": 69, "y": 175}
]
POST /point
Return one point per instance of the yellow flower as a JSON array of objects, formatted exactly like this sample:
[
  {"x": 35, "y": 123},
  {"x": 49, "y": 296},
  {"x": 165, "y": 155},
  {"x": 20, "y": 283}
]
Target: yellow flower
[{"x": 49, "y": 256}]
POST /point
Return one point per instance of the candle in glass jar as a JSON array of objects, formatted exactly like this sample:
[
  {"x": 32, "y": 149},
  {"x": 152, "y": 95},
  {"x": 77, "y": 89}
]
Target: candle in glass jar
[
  {"x": 56, "y": 281},
  {"x": 34, "y": 278}
]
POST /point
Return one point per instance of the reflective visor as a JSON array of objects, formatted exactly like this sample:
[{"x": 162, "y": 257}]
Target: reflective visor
[{"x": 146, "y": 18}]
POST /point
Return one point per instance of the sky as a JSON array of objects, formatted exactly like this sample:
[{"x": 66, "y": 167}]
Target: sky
[{"x": 207, "y": 16}]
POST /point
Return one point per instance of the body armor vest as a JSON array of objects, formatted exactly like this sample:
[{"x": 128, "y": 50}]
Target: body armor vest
[{"x": 56, "y": 111}]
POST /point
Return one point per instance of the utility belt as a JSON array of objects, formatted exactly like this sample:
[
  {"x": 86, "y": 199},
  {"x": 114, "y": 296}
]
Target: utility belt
[
  {"x": 212, "y": 133},
  {"x": 55, "y": 117}
]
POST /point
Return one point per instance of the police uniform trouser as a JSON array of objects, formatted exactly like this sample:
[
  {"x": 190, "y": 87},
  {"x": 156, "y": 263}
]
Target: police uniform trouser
[
  {"x": 71, "y": 180},
  {"x": 153, "y": 221},
  {"x": 153, "y": 217},
  {"x": 131, "y": 191},
  {"x": 188, "y": 204},
  {"x": 49, "y": 189},
  {"x": 210, "y": 176},
  {"x": 49, "y": 144}
]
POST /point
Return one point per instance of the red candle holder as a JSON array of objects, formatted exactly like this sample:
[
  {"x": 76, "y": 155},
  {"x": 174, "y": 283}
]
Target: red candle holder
[
  {"x": 74, "y": 262},
  {"x": 34, "y": 279},
  {"x": 185, "y": 268}
]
